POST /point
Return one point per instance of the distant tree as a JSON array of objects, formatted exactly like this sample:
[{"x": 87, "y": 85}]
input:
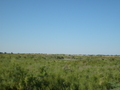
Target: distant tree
[
  {"x": 1, "y": 52},
  {"x": 5, "y": 52},
  {"x": 11, "y": 52}
]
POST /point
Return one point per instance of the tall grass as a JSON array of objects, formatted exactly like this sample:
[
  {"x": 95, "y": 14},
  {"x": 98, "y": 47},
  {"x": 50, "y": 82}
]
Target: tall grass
[{"x": 59, "y": 72}]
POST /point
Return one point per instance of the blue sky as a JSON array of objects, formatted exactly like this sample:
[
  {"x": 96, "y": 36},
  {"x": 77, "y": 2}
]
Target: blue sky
[{"x": 60, "y": 26}]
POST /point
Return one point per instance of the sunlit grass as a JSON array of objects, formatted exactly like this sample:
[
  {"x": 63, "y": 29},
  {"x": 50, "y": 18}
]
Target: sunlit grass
[{"x": 59, "y": 72}]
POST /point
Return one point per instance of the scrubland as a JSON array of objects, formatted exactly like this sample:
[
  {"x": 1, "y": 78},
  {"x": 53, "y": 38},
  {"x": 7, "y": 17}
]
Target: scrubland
[{"x": 59, "y": 72}]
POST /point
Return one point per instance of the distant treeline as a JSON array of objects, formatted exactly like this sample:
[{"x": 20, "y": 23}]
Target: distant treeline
[{"x": 6, "y": 53}]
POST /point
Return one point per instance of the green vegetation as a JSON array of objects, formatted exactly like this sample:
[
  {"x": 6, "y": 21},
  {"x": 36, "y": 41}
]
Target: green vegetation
[{"x": 59, "y": 72}]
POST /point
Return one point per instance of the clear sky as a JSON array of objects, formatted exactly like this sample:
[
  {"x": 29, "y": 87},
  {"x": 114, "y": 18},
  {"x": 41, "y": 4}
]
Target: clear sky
[{"x": 60, "y": 26}]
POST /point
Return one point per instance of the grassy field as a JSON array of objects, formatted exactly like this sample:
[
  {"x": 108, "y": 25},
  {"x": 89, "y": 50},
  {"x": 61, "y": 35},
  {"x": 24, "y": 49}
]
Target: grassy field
[{"x": 59, "y": 72}]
